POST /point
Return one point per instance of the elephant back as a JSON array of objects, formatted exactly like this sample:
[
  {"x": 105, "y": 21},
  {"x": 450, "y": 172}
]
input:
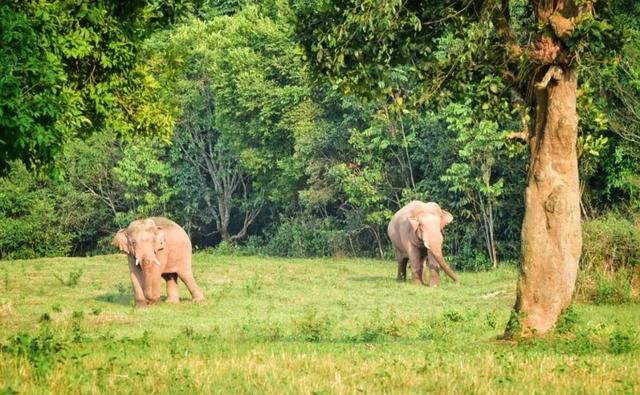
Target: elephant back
[{"x": 164, "y": 222}]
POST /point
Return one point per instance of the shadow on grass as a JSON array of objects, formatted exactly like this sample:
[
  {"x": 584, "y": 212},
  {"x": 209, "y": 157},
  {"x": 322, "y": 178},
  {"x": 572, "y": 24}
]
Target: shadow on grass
[
  {"x": 373, "y": 279},
  {"x": 116, "y": 298},
  {"x": 128, "y": 299}
]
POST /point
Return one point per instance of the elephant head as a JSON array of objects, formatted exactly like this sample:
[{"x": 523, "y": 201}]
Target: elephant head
[
  {"x": 428, "y": 225},
  {"x": 142, "y": 241}
]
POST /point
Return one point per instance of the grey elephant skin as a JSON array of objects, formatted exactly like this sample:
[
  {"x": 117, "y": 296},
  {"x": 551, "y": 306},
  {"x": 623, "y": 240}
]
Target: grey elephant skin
[
  {"x": 157, "y": 247},
  {"x": 416, "y": 235}
]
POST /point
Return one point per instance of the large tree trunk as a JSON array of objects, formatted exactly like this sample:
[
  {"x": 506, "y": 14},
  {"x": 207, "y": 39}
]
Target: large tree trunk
[{"x": 551, "y": 233}]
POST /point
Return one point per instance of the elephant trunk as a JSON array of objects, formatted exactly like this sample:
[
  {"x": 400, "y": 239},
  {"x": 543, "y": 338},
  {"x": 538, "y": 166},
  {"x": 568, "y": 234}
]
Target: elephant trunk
[
  {"x": 447, "y": 269},
  {"x": 441, "y": 262},
  {"x": 151, "y": 273}
]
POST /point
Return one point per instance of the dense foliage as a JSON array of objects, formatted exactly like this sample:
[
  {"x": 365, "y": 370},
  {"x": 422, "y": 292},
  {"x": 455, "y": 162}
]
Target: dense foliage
[
  {"x": 207, "y": 112},
  {"x": 69, "y": 68}
]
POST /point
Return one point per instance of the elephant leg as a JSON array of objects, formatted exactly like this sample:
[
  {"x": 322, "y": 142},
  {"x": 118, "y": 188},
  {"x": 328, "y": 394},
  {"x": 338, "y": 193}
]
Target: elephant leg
[
  {"x": 173, "y": 295},
  {"x": 402, "y": 269},
  {"x": 434, "y": 271},
  {"x": 138, "y": 282},
  {"x": 417, "y": 263},
  {"x": 187, "y": 277}
]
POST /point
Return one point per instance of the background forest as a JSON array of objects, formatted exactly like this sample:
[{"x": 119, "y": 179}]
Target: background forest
[{"x": 208, "y": 112}]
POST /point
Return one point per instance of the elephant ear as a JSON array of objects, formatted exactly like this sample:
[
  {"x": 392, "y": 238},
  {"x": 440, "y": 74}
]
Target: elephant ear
[
  {"x": 446, "y": 218},
  {"x": 160, "y": 239},
  {"x": 120, "y": 241},
  {"x": 415, "y": 225}
]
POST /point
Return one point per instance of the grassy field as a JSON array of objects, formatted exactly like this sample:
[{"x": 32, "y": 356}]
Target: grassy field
[{"x": 297, "y": 326}]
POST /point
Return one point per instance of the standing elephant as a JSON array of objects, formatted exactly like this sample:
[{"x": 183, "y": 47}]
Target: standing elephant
[
  {"x": 157, "y": 247},
  {"x": 415, "y": 232}
]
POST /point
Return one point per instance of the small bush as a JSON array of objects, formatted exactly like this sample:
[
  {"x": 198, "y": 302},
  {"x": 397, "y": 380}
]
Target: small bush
[
  {"x": 73, "y": 279},
  {"x": 306, "y": 237},
  {"x": 582, "y": 344},
  {"x": 226, "y": 248},
  {"x": 43, "y": 351},
  {"x": 614, "y": 289},
  {"x": 312, "y": 326},
  {"x": 453, "y": 316},
  {"x": 379, "y": 327},
  {"x": 568, "y": 321},
  {"x": 254, "y": 245},
  {"x": 610, "y": 243},
  {"x": 622, "y": 342},
  {"x": 610, "y": 264}
]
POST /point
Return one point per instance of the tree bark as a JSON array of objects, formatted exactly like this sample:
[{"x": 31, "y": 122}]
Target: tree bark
[{"x": 551, "y": 233}]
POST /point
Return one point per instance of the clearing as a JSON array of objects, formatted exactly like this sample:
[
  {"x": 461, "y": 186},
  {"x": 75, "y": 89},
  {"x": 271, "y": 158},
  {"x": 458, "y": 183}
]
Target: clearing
[{"x": 308, "y": 326}]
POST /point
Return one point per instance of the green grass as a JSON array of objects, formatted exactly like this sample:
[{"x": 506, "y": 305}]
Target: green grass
[{"x": 277, "y": 326}]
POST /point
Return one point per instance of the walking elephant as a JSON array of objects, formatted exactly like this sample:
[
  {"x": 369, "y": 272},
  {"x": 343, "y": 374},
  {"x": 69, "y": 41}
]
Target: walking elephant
[
  {"x": 416, "y": 234},
  {"x": 157, "y": 247}
]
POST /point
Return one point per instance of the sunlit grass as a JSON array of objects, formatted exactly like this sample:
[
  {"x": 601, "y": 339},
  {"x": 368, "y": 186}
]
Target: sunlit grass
[{"x": 295, "y": 326}]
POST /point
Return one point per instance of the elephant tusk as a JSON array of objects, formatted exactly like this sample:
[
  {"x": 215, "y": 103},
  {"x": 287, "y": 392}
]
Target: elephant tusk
[
  {"x": 426, "y": 245},
  {"x": 137, "y": 262},
  {"x": 156, "y": 261}
]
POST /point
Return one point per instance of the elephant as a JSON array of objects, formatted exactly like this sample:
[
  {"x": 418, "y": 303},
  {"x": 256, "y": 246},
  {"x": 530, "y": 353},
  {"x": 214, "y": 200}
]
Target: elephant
[
  {"x": 416, "y": 234},
  {"x": 157, "y": 247}
]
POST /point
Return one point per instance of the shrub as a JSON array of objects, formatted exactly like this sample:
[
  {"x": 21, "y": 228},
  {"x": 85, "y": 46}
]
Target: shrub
[
  {"x": 610, "y": 265},
  {"x": 610, "y": 243},
  {"x": 306, "y": 237},
  {"x": 622, "y": 342},
  {"x": 568, "y": 321},
  {"x": 612, "y": 289},
  {"x": 43, "y": 351},
  {"x": 380, "y": 327},
  {"x": 39, "y": 217},
  {"x": 73, "y": 279},
  {"x": 313, "y": 327}
]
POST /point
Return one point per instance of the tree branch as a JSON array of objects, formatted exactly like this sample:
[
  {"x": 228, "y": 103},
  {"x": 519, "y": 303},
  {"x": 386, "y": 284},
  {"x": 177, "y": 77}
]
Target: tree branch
[
  {"x": 554, "y": 73},
  {"x": 501, "y": 18}
]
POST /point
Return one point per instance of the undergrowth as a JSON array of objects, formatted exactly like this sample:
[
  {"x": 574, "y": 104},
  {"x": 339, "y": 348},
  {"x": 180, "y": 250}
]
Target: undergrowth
[{"x": 610, "y": 263}]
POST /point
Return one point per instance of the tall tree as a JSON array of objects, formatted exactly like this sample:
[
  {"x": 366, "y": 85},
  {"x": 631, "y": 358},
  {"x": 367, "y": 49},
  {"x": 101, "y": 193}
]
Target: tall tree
[
  {"x": 69, "y": 68},
  {"x": 551, "y": 233},
  {"x": 360, "y": 44},
  {"x": 243, "y": 98}
]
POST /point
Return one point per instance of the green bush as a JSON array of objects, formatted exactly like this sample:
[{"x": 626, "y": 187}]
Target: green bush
[
  {"x": 379, "y": 327},
  {"x": 313, "y": 327},
  {"x": 622, "y": 341},
  {"x": 39, "y": 217},
  {"x": 610, "y": 243},
  {"x": 612, "y": 288},
  {"x": 306, "y": 237},
  {"x": 610, "y": 264},
  {"x": 43, "y": 350},
  {"x": 568, "y": 321}
]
